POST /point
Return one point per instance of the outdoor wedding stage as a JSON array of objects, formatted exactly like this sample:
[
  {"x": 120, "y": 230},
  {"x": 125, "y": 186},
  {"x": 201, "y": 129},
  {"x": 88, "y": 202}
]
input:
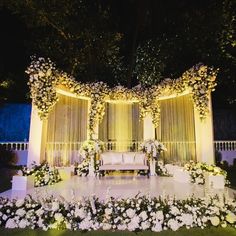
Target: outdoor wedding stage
[{"x": 84, "y": 137}]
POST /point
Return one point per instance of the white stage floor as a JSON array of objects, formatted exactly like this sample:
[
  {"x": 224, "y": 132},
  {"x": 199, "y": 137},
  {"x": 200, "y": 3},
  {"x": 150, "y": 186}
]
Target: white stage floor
[{"x": 119, "y": 186}]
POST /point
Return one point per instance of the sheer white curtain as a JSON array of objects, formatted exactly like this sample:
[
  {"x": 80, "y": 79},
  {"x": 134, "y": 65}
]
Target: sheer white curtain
[
  {"x": 65, "y": 129},
  {"x": 177, "y": 130},
  {"x": 121, "y": 126}
]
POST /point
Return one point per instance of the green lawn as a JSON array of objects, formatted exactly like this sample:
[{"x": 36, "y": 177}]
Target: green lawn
[{"x": 229, "y": 231}]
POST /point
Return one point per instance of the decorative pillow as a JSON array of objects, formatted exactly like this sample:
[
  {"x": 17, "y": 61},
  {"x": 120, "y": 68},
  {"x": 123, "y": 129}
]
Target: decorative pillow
[
  {"x": 128, "y": 158},
  {"x": 107, "y": 159},
  {"x": 117, "y": 158},
  {"x": 139, "y": 158}
]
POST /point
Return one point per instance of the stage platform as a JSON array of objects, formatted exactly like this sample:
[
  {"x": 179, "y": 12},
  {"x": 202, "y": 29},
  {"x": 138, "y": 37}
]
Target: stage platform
[{"x": 120, "y": 187}]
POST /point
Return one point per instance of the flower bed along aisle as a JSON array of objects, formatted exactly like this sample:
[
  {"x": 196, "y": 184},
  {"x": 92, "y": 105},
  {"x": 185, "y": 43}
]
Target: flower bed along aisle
[{"x": 133, "y": 214}]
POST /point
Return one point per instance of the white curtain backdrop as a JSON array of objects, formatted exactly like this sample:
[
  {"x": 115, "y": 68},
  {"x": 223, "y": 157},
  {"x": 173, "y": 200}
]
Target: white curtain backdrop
[
  {"x": 121, "y": 126},
  {"x": 177, "y": 130},
  {"x": 65, "y": 129}
]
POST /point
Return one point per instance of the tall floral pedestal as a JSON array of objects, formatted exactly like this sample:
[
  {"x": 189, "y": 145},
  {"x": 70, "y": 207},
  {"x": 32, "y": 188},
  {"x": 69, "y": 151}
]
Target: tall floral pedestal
[
  {"x": 22, "y": 182},
  {"x": 91, "y": 167},
  {"x": 152, "y": 166}
]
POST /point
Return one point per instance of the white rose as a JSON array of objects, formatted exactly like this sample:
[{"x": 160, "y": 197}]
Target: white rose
[{"x": 215, "y": 220}]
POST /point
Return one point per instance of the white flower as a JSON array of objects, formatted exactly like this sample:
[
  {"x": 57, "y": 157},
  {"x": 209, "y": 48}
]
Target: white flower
[
  {"x": 23, "y": 223},
  {"x": 173, "y": 224},
  {"x": 58, "y": 217},
  {"x": 106, "y": 226},
  {"x": 174, "y": 210},
  {"x": 121, "y": 227},
  {"x": 231, "y": 218},
  {"x": 4, "y": 217},
  {"x": 157, "y": 227},
  {"x": 19, "y": 203},
  {"x": 55, "y": 206},
  {"x": 86, "y": 224},
  {"x": 11, "y": 224},
  {"x": 159, "y": 215},
  {"x": 80, "y": 212},
  {"x": 143, "y": 215},
  {"x": 145, "y": 225},
  {"x": 187, "y": 219},
  {"x": 215, "y": 220},
  {"x": 108, "y": 211},
  {"x": 130, "y": 213},
  {"x": 20, "y": 212}
]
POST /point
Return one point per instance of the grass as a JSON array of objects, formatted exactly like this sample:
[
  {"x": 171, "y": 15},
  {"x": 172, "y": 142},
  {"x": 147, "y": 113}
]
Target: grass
[{"x": 212, "y": 231}]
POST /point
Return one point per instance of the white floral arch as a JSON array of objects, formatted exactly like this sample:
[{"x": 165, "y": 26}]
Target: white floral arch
[{"x": 47, "y": 84}]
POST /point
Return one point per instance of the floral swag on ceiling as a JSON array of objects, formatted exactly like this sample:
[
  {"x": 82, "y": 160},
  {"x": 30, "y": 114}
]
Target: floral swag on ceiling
[{"x": 44, "y": 78}]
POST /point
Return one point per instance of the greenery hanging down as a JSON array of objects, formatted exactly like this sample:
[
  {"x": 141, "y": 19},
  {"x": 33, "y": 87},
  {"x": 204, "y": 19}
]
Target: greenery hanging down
[{"x": 44, "y": 78}]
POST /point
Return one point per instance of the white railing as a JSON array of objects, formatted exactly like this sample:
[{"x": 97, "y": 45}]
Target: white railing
[
  {"x": 220, "y": 145},
  {"x": 225, "y": 145},
  {"x": 17, "y": 146}
]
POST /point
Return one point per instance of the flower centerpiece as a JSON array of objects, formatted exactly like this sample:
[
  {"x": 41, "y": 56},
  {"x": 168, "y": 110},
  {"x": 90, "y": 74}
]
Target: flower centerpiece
[
  {"x": 89, "y": 150},
  {"x": 152, "y": 148}
]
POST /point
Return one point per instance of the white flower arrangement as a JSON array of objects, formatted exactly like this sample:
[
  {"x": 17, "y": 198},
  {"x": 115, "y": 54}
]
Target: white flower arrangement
[
  {"x": 197, "y": 171},
  {"x": 89, "y": 149},
  {"x": 44, "y": 77},
  {"x": 161, "y": 169},
  {"x": 132, "y": 214},
  {"x": 152, "y": 148},
  {"x": 43, "y": 174}
]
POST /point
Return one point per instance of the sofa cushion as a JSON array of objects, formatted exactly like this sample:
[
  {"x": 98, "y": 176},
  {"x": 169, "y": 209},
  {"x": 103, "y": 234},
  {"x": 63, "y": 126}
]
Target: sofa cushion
[
  {"x": 106, "y": 159},
  {"x": 117, "y": 158},
  {"x": 128, "y": 158},
  {"x": 139, "y": 158}
]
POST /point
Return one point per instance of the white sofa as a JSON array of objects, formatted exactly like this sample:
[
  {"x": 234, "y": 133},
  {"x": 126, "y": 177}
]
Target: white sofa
[{"x": 123, "y": 161}]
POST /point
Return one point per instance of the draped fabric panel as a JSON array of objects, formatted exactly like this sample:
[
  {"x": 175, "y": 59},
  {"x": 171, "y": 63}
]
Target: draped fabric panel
[
  {"x": 177, "y": 129},
  {"x": 65, "y": 129},
  {"x": 121, "y": 126}
]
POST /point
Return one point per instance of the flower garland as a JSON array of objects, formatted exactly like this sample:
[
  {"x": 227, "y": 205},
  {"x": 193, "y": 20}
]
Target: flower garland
[
  {"x": 42, "y": 82},
  {"x": 152, "y": 148},
  {"x": 132, "y": 214},
  {"x": 197, "y": 171},
  {"x": 43, "y": 174},
  {"x": 201, "y": 79},
  {"x": 44, "y": 78}
]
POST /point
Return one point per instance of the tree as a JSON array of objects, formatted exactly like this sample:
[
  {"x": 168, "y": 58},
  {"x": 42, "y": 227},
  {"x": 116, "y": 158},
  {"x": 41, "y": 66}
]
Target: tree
[
  {"x": 77, "y": 35},
  {"x": 149, "y": 63}
]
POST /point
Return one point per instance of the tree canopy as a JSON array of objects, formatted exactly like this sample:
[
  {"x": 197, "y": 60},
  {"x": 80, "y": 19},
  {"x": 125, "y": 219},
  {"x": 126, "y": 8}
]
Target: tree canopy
[{"x": 129, "y": 42}]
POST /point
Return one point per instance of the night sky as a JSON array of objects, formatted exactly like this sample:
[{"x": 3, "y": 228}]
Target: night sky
[{"x": 131, "y": 20}]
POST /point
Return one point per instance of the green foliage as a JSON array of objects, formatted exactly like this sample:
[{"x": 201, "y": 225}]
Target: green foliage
[
  {"x": 149, "y": 63},
  {"x": 227, "y": 38},
  {"x": 7, "y": 158},
  {"x": 77, "y": 35}
]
